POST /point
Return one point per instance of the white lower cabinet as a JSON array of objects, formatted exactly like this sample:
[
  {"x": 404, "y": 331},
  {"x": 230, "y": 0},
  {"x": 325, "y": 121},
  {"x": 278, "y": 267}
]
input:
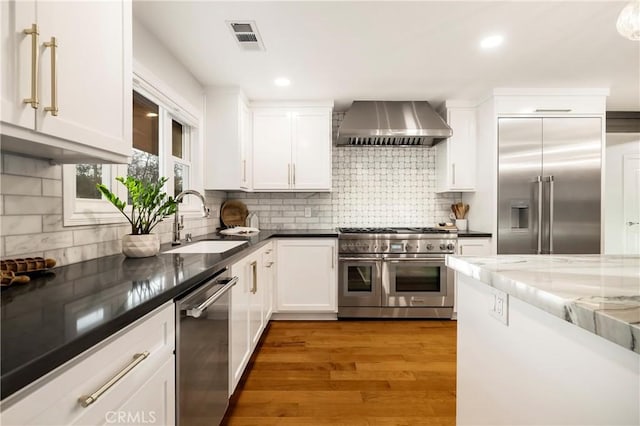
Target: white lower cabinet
[
  {"x": 248, "y": 310},
  {"x": 474, "y": 247},
  {"x": 306, "y": 276},
  {"x": 144, "y": 395},
  {"x": 470, "y": 247}
]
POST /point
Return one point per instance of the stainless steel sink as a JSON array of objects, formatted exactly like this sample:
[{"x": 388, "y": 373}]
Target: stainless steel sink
[{"x": 207, "y": 246}]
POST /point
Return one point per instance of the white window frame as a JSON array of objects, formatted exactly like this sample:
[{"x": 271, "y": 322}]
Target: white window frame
[{"x": 78, "y": 211}]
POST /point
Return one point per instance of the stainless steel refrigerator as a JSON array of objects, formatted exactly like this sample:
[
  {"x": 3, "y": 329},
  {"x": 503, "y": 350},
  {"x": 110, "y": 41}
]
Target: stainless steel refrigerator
[{"x": 549, "y": 185}]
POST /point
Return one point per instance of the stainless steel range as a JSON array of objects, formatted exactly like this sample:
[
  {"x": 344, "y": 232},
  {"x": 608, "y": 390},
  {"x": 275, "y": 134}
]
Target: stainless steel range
[{"x": 395, "y": 273}]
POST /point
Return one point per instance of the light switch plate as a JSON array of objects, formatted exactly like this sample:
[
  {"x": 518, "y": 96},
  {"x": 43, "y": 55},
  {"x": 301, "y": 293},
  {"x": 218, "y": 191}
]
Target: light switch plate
[{"x": 499, "y": 306}]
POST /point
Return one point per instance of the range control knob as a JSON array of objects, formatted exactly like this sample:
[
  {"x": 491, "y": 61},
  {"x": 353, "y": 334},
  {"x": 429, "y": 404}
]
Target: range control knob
[
  {"x": 450, "y": 247},
  {"x": 385, "y": 247},
  {"x": 443, "y": 246},
  {"x": 429, "y": 246}
]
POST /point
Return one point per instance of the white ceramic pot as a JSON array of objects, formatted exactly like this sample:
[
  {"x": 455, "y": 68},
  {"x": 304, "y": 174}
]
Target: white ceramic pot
[
  {"x": 144, "y": 245},
  {"x": 461, "y": 224}
]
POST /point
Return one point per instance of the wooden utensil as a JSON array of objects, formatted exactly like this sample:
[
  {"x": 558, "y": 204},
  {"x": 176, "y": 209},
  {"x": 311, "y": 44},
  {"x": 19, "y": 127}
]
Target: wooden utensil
[{"x": 233, "y": 213}]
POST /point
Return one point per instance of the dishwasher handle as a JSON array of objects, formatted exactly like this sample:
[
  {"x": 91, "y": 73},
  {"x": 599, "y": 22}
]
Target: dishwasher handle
[{"x": 197, "y": 311}]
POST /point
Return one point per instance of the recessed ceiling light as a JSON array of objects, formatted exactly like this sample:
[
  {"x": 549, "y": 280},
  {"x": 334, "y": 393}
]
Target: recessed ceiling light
[
  {"x": 491, "y": 41},
  {"x": 151, "y": 114},
  {"x": 282, "y": 82}
]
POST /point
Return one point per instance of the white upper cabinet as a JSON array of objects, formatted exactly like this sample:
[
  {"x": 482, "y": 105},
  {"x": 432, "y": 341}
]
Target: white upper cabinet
[
  {"x": 271, "y": 149},
  {"x": 227, "y": 140},
  {"x": 292, "y": 148},
  {"x": 66, "y": 81},
  {"x": 456, "y": 156}
]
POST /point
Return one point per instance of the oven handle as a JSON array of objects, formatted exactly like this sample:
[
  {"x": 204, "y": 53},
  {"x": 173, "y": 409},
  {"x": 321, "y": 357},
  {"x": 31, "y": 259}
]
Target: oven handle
[{"x": 356, "y": 259}]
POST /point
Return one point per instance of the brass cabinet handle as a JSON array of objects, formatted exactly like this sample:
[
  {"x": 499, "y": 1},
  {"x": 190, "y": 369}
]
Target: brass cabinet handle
[
  {"x": 254, "y": 284},
  {"x": 294, "y": 174},
  {"x": 333, "y": 257},
  {"x": 33, "y": 32},
  {"x": 53, "y": 109},
  {"x": 87, "y": 400},
  {"x": 244, "y": 170}
]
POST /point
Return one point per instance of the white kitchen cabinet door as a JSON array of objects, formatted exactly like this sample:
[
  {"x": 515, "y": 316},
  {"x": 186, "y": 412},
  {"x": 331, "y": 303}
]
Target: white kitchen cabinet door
[
  {"x": 470, "y": 247},
  {"x": 272, "y": 168},
  {"x": 474, "y": 246},
  {"x": 311, "y": 150},
  {"x": 153, "y": 403},
  {"x": 256, "y": 298},
  {"x": 83, "y": 81},
  {"x": 239, "y": 344},
  {"x": 306, "y": 275},
  {"x": 456, "y": 156},
  {"x": 16, "y": 72},
  {"x": 268, "y": 280},
  {"x": 228, "y": 136}
]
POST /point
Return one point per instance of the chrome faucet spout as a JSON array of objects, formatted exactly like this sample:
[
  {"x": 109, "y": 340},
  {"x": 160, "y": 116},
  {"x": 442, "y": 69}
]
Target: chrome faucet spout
[{"x": 178, "y": 225}]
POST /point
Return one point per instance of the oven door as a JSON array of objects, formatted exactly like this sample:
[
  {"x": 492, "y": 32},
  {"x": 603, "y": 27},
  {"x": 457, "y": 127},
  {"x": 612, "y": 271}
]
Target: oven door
[
  {"x": 359, "y": 282},
  {"x": 417, "y": 282}
]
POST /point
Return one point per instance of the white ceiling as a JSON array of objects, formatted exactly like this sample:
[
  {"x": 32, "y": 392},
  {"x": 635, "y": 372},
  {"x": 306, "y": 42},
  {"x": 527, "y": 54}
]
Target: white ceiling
[{"x": 401, "y": 50}]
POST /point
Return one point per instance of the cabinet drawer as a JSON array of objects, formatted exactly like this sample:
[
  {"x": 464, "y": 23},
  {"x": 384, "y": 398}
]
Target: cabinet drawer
[
  {"x": 548, "y": 105},
  {"x": 54, "y": 398}
]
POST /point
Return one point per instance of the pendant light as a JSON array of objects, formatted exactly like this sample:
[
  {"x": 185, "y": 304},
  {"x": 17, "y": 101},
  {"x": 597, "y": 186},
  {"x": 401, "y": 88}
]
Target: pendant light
[{"x": 628, "y": 23}]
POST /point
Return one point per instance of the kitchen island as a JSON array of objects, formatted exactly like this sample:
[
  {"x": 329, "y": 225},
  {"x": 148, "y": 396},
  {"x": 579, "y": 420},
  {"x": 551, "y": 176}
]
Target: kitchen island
[{"x": 551, "y": 339}]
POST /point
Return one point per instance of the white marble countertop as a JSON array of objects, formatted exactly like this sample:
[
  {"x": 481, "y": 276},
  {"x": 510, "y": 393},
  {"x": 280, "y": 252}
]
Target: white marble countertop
[{"x": 596, "y": 292}]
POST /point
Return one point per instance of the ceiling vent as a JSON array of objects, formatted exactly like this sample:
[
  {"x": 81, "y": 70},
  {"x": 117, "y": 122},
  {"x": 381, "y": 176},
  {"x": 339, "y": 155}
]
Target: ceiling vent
[{"x": 246, "y": 35}]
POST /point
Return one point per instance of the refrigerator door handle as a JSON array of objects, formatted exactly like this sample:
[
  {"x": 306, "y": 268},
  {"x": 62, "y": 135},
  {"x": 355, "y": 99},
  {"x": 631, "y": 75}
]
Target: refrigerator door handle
[
  {"x": 551, "y": 182},
  {"x": 538, "y": 181}
]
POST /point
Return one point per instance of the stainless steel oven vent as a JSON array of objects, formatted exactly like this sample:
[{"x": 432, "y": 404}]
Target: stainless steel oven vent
[
  {"x": 386, "y": 141},
  {"x": 392, "y": 123}
]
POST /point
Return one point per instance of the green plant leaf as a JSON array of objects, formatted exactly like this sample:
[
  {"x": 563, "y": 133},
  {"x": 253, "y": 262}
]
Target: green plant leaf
[{"x": 149, "y": 205}]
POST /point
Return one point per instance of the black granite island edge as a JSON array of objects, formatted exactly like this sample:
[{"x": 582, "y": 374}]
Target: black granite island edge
[{"x": 41, "y": 327}]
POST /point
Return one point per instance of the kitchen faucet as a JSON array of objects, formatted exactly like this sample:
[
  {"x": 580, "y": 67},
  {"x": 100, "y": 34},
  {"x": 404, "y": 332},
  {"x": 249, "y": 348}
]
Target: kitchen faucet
[{"x": 178, "y": 225}]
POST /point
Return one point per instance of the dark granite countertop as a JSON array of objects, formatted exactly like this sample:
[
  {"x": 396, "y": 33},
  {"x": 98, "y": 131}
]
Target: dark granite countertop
[
  {"x": 63, "y": 313},
  {"x": 473, "y": 234}
]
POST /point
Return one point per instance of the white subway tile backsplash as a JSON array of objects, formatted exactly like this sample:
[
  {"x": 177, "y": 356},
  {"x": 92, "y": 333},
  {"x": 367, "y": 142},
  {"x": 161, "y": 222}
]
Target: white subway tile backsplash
[
  {"x": 20, "y": 185},
  {"x": 27, "y": 166},
  {"x": 73, "y": 254},
  {"x": 31, "y": 222},
  {"x": 19, "y": 204},
  {"x": 96, "y": 235},
  {"x": 51, "y": 188},
  {"x": 20, "y": 225},
  {"x": 41, "y": 242}
]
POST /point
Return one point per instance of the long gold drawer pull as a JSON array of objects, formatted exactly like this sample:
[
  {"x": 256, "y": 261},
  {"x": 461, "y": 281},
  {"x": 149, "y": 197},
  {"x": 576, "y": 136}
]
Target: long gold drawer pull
[
  {"x": 87, "y": 400},
  {"x": 33, "y": 32},
  {"x": 53, "y": 109}
]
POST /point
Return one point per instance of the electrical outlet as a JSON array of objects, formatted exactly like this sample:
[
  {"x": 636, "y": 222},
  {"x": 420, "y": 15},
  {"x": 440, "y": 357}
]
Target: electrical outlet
[
  {"x": 307, "y": 212},
  {"x": 499, "y": 307}
]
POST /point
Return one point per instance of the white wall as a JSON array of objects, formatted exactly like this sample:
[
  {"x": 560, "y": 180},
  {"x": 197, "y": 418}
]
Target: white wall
[
  {"x": 617, "y": 145},
  {"x": 149, "y": 53}
]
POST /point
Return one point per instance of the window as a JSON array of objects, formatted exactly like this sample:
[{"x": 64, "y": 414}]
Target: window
[{"x": 165, "y": 142}]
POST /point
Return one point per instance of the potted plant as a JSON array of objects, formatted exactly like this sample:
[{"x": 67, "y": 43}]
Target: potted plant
[{"x": 149, "y": 205}]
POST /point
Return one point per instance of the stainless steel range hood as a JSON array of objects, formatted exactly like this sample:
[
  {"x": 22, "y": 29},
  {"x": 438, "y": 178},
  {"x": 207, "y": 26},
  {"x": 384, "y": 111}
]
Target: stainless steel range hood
[{"x": 392, "y": 123}]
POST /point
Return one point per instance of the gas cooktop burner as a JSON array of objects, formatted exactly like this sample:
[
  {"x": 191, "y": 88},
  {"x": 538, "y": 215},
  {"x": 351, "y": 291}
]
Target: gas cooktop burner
[
  {"x": 399, "y": 230},
  {"x": 368, "y": 230}
]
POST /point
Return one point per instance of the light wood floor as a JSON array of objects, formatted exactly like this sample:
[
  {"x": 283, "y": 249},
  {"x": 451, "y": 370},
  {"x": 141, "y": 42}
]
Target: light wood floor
[{"x": 378, "y": 373}]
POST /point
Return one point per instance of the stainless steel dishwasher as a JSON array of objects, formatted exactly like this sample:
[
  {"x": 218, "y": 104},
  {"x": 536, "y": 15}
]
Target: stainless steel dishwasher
[{"x": 202, "y": 355}]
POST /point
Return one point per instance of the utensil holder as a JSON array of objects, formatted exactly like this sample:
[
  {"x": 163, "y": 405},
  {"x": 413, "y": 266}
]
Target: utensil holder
[{"x": 461, "y": 224}]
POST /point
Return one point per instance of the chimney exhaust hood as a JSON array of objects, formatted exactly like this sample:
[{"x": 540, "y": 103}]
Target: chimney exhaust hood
[{"x": 392, "y": 123}]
